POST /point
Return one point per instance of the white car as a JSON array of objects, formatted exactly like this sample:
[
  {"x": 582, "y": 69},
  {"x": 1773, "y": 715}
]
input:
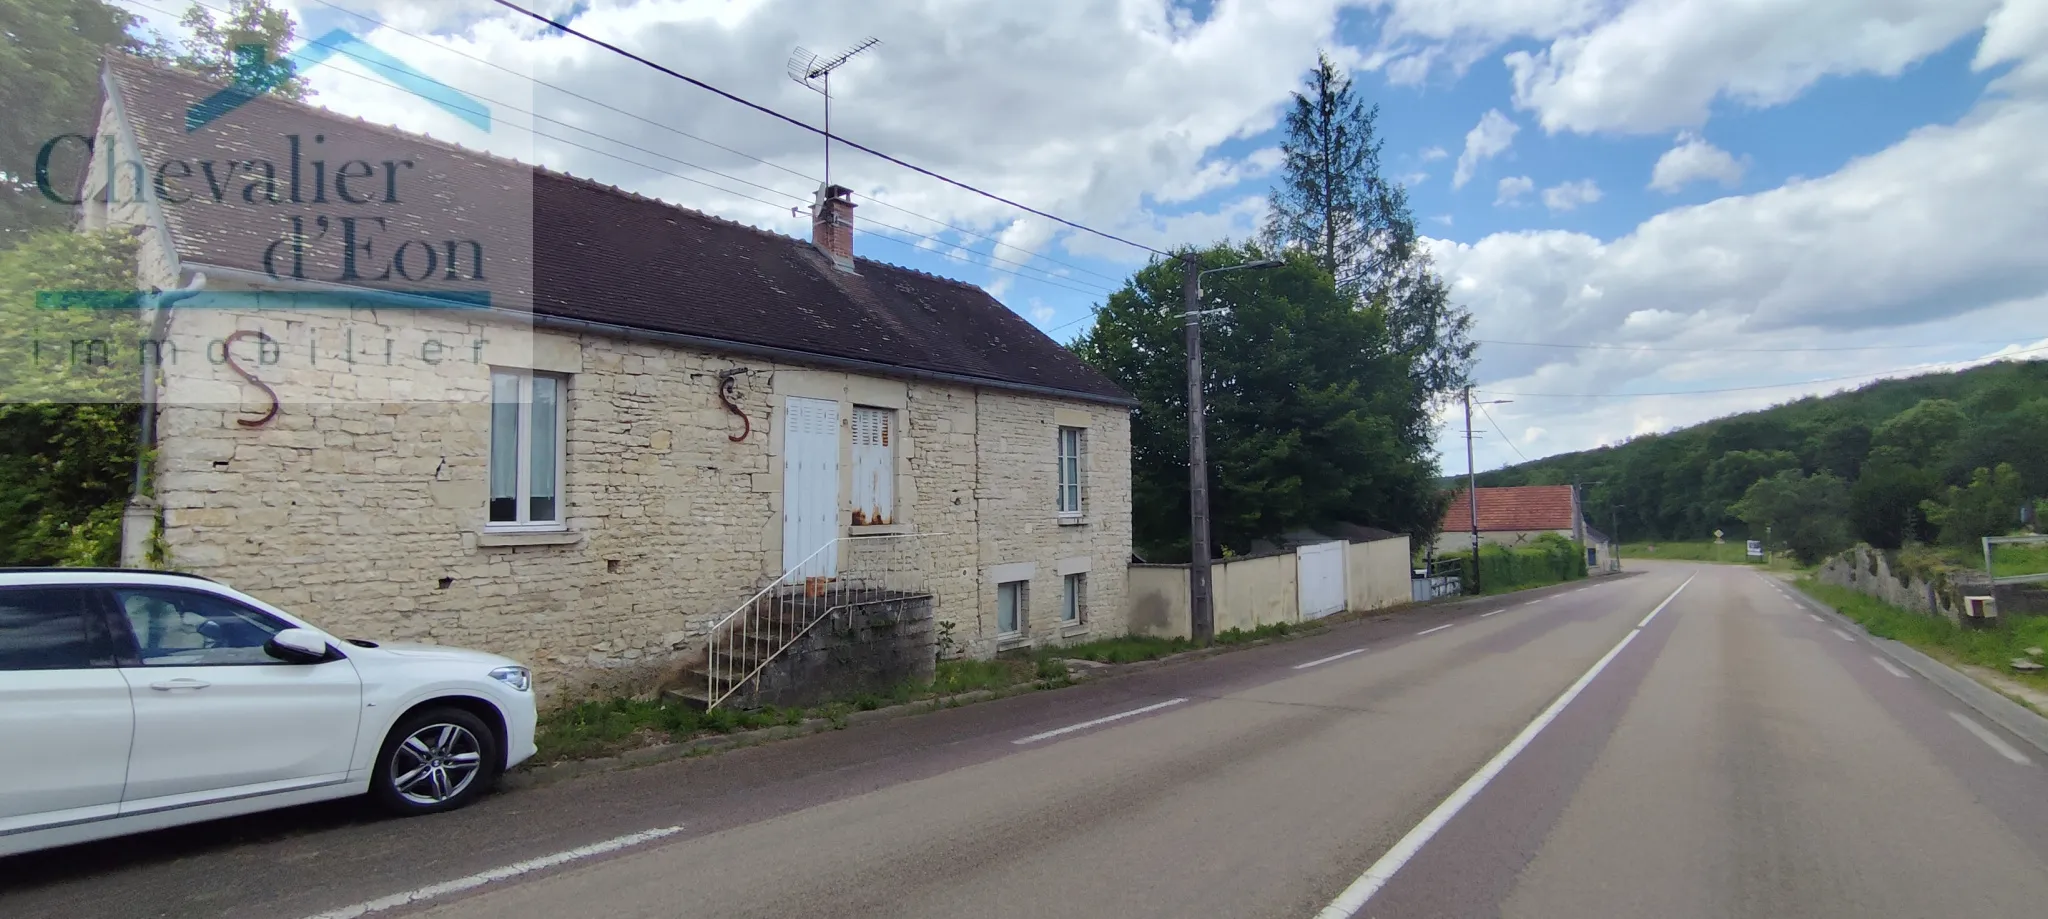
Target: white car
[{"x": 134, "y": 700}]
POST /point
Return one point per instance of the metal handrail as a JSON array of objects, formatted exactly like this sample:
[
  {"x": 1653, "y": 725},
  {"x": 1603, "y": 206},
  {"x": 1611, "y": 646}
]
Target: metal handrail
[{"x": 746, "y": 626}]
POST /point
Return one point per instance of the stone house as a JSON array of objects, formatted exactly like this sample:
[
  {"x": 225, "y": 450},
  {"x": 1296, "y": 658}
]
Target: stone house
[{"x": 419, "y": 392}]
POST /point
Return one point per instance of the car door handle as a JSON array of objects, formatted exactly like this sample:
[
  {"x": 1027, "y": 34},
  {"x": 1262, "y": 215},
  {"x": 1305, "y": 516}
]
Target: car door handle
[{"x": 180, "y": 683}]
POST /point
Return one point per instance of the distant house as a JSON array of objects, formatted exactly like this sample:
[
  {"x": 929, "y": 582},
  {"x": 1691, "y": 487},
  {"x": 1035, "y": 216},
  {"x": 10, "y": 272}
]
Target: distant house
[
  {"x": 1516, "y": 515},
  {"x": 419, "y": 392}
]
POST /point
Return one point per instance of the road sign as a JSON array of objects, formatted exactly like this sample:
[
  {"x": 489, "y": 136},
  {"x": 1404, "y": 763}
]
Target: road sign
[{"x": 1756, "y": 548}]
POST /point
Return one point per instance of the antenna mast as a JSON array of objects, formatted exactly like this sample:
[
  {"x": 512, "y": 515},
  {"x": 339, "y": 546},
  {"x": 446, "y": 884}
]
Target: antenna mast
[{"x": 816, "y": 73}]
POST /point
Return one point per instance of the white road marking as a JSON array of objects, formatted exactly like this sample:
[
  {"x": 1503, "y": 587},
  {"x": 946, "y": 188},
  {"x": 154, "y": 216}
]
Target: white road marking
[
  {"x": 1890, "y": 667},
  {"x": 1535, "y": 601},
  {"x": 1660, "y": 606},
  {"x": 473, "y": 881},
  {"x": 1994, "y": 741},
  {"x": 1069, "y": 729},
  {"x": 1355, "y": 896},
  {"x": 1814, "y": 617},
  {"x": 1494, "y": 613},
  {"x": 1843, "y": 635},
  {"x": 1333, "y": 657},
  {"x": 1437, "y": 629}
]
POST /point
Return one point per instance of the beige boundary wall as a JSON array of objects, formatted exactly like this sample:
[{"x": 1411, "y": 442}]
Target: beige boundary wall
[{"x": 1252, "y": 592}]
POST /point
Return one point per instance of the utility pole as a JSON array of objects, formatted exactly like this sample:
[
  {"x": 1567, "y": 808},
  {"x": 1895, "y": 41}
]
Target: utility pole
[
  {"x": 1472, "y": 489},
  {"x": 1617, "y": 534},
  {"x": 1201, "y": 600},
  {"x": 1201, "y": 619}
]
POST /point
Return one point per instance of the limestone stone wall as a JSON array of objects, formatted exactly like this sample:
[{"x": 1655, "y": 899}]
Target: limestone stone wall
[
  {"x": 363, "y": 503},
  {"x": 1869, "y": 571}
]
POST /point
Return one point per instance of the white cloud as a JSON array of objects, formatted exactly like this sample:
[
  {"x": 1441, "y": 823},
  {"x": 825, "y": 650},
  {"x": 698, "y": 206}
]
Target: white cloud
[
  {"x": 1567, "y": 196},
  {"x": 1693, "y": 159},
  {"x": 1512, "y": 188},
  {"x": 2018, "y": 32},
  {"x": 1895, "y": 247},
  {"x": 1489, "y": 138},
  {"x": 1024, "y": 114},
  {"x": 1432, "y": 154},
  {"x": 1661, "y": 64}
]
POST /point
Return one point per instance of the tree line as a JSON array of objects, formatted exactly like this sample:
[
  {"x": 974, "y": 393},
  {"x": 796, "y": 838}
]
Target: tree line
[{"x": 1943, "y": 459}]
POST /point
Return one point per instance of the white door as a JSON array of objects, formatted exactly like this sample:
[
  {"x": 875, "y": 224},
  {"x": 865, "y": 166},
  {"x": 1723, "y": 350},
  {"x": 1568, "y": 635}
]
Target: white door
[
  {"x": 65, "y": 721},
  {"x": 215, "y": 715},
  {"x": 1320, "y": 575},
  {"x": 810, "y": 486}
]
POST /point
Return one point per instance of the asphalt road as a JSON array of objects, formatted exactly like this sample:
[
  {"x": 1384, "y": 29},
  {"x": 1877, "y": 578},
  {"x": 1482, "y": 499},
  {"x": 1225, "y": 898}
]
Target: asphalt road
[{"x": 1733, "y": 755}]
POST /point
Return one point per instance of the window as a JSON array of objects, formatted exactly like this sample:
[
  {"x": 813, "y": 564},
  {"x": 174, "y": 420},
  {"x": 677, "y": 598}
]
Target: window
[
  {"x": 190, "y": 628},
  {"x": 526, "y": 450},
  {"x": 1074, "y": 605},
  {"x": 51, "y": 628},
  {"x": 1010, "y": 607},
  {"x": 1070, "y": 471},
  {"x": 874, "y": 466}
]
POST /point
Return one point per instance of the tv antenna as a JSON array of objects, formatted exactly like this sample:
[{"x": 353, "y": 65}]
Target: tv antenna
[{"x": 815, "y": 72}]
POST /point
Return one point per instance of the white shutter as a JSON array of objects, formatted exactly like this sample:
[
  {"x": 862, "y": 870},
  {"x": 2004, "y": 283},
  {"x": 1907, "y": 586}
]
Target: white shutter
[{"x": 874, "y": 466}]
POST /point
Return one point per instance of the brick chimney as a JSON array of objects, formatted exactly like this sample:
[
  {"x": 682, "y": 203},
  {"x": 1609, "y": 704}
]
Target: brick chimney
[{"x": 832, "y": 224}]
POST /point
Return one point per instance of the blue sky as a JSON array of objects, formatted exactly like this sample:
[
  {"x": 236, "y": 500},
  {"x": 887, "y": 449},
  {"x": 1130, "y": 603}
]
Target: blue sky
[{"x": 1838, "y": 173}]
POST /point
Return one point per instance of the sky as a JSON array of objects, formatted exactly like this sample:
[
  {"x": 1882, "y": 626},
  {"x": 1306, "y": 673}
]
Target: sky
[{"x": 1657, "y": 211}]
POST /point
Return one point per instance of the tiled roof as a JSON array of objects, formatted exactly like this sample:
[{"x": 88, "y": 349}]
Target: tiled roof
[
  {"x": 557, "y": 245},
  {"x": 1521, "y": 507}
]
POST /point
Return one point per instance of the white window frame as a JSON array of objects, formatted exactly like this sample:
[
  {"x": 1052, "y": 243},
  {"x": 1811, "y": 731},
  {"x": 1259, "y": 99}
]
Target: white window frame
[
  {"x": 1069, "y": 497},
  {"x": 1074, "y": 599},
  {"x": 1022, "y": 592},
  {"x": 522, "y": 440},
  {"x": 891, "y": 436}
]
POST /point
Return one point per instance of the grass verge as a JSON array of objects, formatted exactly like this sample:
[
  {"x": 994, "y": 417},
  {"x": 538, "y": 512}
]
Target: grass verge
[
  {"x": 613, "y": 726},
  {"x": 1993, "y": 647},
  {"x": 1127, "y": 649}
]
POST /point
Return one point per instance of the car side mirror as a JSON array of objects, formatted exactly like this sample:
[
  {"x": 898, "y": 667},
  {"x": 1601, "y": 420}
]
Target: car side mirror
[{"x": 297, "y": 646}]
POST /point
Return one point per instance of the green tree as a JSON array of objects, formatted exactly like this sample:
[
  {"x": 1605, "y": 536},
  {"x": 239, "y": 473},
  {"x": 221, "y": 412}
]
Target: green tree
[
  {"x": 220, "y": 48},
  {"x": 69, "y": 372},
  {"x": 1884, "y": 504},
  {"x": 1729, "y": 477},
  {"x": 1921, "y": 435},
  {"x": 1333, "y": 202},
  {"x": 49, "y": 86},
  {"x": 1988, "y": 506},
  {"x": 1312, "y": 417},
  {"x": 1804, "y": 512}
]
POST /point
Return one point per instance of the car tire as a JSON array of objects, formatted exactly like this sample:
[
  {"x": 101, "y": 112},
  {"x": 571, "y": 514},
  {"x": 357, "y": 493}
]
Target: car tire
[{"x": 435, "y": 760}]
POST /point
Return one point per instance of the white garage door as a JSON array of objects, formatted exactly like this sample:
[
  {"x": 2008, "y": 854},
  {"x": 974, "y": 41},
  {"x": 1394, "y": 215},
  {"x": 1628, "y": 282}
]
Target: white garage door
[{"x": 1320, "y": 570}]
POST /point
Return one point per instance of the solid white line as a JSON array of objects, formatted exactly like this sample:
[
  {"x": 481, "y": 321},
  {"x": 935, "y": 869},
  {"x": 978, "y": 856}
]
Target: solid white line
[
  {"x": 445, "y": 888},
  {"x": 1660, "y": 606},
  {"x": 1993, "y": 740},
  {"x": 1814, "y": 617},
  {"x": 1437, "y": 629},
  {"x": 1890, "y": 668},
  {"x": 1535, "y": 601},
  {"x": 1843, "y": 635},
  {"x": 1355, "y": 896},
  {"x": 1069, "y": 729},
  {"x": 1333, "y": 657},
  {"x": 1494, "y": 613}
]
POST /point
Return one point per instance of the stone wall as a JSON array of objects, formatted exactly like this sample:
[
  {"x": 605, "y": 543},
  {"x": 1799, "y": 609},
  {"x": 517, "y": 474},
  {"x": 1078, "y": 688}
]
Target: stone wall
[
  {"x": 1871, "y": 572},
  {"x": 363, "y": 504},
  {"x": 863, "y": 648}
]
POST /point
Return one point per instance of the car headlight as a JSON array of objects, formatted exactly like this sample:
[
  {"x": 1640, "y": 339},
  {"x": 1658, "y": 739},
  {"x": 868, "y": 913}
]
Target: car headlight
[{"x": 518, "y": 678}]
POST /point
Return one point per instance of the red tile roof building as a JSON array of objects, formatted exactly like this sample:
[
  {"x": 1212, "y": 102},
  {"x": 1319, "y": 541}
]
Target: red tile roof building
[{"x": 1518, "y": 508}]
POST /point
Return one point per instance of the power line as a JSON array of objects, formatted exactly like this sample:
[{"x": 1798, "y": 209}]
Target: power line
[
  {"x": 1503, "y": 434},
  {"x": 702, "y": 140},
  {"x": 1050, "y": 281},
  {"x": 1878, "y": 374},
  {"x": 693, "y": 81},
  {"x": 1610, "y": 347}
]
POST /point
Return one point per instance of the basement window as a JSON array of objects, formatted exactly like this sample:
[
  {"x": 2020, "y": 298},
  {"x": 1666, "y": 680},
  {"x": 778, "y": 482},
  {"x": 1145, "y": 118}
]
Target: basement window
[
  {"x": 527, "y": 435},
  {"x": 1010, "y": 608}
]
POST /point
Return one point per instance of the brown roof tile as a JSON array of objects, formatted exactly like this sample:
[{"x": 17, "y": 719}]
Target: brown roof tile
[
  {"x": 1521, "y": 507},
  {"x": 564, "y": 247}
]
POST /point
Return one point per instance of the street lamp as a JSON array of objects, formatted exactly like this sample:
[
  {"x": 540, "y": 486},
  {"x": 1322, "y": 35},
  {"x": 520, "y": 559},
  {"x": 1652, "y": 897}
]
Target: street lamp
[
  {"x": 1201, "y": 612},
  {"x": 1472, "y": 481}
]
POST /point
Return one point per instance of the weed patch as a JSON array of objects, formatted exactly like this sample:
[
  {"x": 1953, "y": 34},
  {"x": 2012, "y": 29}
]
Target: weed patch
[{"x": 1993, "y": 647}]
